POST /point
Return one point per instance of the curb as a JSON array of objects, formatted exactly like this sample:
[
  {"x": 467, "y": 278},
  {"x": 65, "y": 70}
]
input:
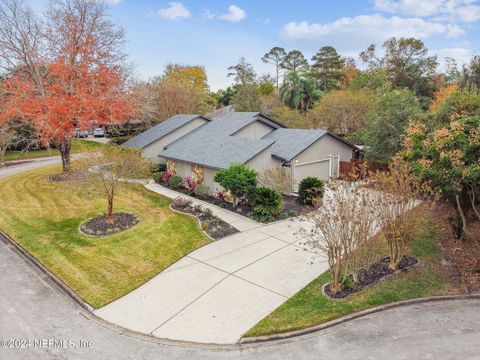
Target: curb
[
  {"x": 353, "y": 316},
  {"x": 66, "y": 289},
  {"x": 244, "y": 342}
]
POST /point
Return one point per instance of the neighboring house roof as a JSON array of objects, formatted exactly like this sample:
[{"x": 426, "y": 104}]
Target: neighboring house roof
[
  {"x": 213, "y": 146},
  {"x": 158, "y": 131},
  {"x": 291, "y": 142}
]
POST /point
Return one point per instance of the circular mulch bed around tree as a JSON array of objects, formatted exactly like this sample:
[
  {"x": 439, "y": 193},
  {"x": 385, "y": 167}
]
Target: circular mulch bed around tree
[{"x": 100, "y": 226}]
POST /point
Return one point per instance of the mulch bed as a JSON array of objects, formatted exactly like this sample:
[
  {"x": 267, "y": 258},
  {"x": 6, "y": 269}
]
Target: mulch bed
[
  {"x": 377, "y": 271},
  {"x": 68, "y": 176},
  {"x": 100, "y": 226},
  {"x": 215, "y": 228},
  {"x": 462, "y": 256},
  {"x": 291, "y": 209}
]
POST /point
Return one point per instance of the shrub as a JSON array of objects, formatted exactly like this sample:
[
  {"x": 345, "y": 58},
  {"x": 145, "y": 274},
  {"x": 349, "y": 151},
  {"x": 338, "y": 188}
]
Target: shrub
[
  {"x": 166, "y": 176},
  {"x": 175, "y": 182},
  {"x": 189, "y": 184},
  {"x": 239, "y": 179},
  {"x": 208, "y": 213},
  {"x": 220, "y": 195},
  {"x": 278, "y": 178},
  {"x": 268, "y": 202},
  {"x": 309, "y": 190},
  {"x": 119, "y": 140},
  {"x": 201, "y": 190},
  {"x": 157, "y": 177},
  {"x": 159, "y": 168},
  {"x": 181, "y": 202}
]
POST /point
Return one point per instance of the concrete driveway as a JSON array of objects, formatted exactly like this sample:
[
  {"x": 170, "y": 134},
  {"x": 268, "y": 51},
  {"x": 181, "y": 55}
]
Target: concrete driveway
[
  {"x": 218, "y": 292},
  {"x": 35, "y": 309}
]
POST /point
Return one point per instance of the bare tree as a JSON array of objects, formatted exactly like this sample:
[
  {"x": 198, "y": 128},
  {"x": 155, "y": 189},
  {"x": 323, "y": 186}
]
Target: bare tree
[
  {"x": 22, "y": 41},
  {"x": 343, "y": 229},
  {"x": 397, "y": 193},
  {"x": 111, "y": 169}
]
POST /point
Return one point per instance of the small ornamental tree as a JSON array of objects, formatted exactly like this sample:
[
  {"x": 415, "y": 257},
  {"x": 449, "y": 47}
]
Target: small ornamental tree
[
  {"x": 343, "y": 229},
  {"x": 74, "y": 75},
  {"x": 449, "y": 158},
  {"x": 112, "y": 168},
  {"x": 239, "y": 179}
]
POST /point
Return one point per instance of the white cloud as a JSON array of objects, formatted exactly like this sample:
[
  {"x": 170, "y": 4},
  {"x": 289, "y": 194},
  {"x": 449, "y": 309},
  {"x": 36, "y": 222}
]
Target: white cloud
[
  {"x": 174, "y": 11},
  {"x": 450, "y": 10},
  {"x": 234, "y": 14},
  {"x": 208, "y": 15},
  {"x": 460, "y": 54},
  {"x": 360, "y": 31}
]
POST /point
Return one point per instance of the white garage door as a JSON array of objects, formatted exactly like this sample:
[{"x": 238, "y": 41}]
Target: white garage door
[{"x": 318, "y": 169}]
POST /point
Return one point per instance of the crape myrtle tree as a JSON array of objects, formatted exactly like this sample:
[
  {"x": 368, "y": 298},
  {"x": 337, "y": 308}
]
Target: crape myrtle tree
[{"x": 76, "y": 76}]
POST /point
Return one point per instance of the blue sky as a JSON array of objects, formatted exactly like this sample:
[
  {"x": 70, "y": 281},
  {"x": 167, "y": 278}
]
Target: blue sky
[{"x": 216, "y": 33}]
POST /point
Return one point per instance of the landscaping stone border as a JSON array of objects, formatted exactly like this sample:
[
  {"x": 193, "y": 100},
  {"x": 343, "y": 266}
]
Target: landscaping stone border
[
  {"x": 243, "y": 343},
  {"x": 199, "y": 223},
  {"x": 106, "y": 235}
]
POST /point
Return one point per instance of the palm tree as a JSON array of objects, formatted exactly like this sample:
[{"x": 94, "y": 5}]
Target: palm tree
[
  {"x": 290, "y": 91},
  {"x": 299, "y": 93}
]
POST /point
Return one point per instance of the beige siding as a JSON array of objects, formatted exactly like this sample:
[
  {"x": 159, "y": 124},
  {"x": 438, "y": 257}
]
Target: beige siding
[
  {"x": 208, "y": 180},
  {"x": 321, "y": 150},
  {"x": 255, "y": 130},
  {"x": 152, "y": 150},
  {"x": 263, "y": 161}
]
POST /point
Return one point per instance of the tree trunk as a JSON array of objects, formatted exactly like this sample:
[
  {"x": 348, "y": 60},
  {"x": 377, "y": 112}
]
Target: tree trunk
[
  {"x": 471, "y": 196},
  {"x": 462, "y": 216},
  {"x": 110, "y": 209},
  {"x": 65, "y": 147},
  {"x": 2, "y": 155}
]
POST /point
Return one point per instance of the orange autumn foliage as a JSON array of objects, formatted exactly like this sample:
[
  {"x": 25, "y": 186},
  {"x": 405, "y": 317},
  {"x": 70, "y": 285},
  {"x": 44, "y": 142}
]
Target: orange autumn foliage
[{"x": 441, "y": 95}]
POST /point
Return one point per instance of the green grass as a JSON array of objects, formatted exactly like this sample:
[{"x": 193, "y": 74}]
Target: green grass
[
  {"x": 44, "y": 217},
  {"x": 78, "y": 145},
  {"x": 309, "y": 307}
]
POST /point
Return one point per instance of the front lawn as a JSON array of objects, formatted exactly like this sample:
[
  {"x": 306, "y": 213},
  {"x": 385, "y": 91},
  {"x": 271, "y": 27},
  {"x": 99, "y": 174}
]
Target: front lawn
[
  {"x": 44, "y": 217},
  {"x": 78, "y": 145},
  {"x": 310, "y": 307}
]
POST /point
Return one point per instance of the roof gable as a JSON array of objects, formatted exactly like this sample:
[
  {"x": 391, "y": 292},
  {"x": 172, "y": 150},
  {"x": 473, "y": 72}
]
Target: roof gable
[
  {"x": 291, "y": 142},
  {"x": 160, "y": 130}
]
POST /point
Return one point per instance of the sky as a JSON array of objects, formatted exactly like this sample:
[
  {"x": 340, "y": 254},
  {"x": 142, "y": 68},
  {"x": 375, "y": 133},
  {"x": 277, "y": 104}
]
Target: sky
[{"x": 216, "y": 33}]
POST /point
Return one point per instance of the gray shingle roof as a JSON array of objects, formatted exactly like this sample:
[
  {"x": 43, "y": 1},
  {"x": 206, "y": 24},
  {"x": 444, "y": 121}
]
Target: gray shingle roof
[
  {"x": 211, "y": 144},
  {"x": 159, "y": 131},
  {"x": 291, "y": 142}
]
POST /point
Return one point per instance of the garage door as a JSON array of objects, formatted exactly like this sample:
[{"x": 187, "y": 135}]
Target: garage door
[{"x": 318, "y": 169}]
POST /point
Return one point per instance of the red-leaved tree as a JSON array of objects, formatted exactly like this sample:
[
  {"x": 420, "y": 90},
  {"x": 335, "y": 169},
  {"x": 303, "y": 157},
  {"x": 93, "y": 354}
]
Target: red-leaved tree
[{"x": 82, "y": 76}]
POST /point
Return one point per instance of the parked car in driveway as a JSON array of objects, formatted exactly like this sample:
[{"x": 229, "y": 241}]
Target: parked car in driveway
[
  {"x": 98, "y": 132},
  {"x": 80, "y": 133}
]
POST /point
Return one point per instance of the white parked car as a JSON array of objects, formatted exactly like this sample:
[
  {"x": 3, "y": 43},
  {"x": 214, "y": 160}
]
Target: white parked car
[{"x": 98, "y": 132}]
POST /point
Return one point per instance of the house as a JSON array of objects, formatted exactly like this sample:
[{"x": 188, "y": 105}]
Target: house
[{"x": 198, "y": 146}]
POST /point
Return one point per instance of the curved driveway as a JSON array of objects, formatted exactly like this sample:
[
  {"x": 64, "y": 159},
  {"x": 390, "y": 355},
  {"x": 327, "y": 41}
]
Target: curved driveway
[{"x": 31, "y": 308}]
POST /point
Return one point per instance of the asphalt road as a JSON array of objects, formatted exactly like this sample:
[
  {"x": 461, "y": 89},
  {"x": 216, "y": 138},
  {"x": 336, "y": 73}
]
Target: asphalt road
[{"x": 38, "y": 321}]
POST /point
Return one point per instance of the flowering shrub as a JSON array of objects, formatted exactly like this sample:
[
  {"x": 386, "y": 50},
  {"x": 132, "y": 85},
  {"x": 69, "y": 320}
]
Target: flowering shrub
[
  {"x": 181, "y": 202},
  {"x": 166, "y": 176},
  {"x": 189, "y": 183},
  {"x": 220, "y": 195}
]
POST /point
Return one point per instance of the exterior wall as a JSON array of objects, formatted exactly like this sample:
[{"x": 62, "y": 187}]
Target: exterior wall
[
  {"x": 255, "y": 130},
  {"x": 263, "y": 161},
  {"x": 152, "y": 150},
  {"x": 322, "y": 149}
]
